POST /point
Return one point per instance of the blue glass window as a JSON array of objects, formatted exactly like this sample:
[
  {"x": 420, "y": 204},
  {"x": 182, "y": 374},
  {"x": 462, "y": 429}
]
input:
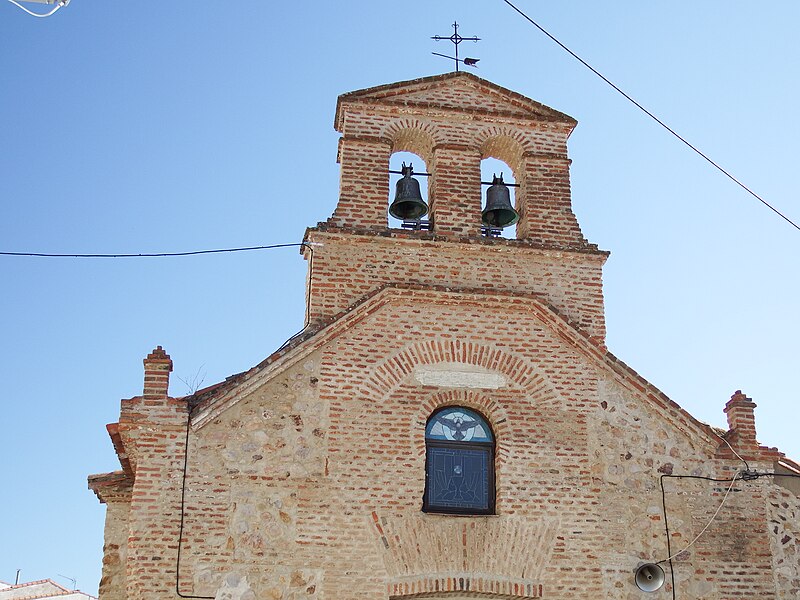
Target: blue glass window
[{"x": 459, "y": 466}]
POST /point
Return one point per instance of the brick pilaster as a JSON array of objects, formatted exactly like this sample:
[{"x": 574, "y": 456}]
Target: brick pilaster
[
  {"x": 363, "y": 183},
  {"x": 455, "y": 191},
  {"x": 545, "y": 202},
  {"x": 153, "y": 430}
]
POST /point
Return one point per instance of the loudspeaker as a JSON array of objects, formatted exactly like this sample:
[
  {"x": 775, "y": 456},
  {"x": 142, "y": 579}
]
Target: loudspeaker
[{"x": 649, "y": 577}]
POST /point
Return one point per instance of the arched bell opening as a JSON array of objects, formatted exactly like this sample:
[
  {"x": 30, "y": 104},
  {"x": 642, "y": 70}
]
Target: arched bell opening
[
  {"x": 408, "y": 191},
  {"x": 499, "y": 214}
]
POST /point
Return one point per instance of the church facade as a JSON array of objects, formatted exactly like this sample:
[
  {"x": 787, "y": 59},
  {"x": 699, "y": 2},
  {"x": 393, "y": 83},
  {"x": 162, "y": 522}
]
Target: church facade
[{"x": 449, "y": 424}]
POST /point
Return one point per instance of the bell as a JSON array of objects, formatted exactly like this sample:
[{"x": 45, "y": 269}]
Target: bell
[
  {"x": 498, "y": 211},
  {"x": 408, "y": 203}
]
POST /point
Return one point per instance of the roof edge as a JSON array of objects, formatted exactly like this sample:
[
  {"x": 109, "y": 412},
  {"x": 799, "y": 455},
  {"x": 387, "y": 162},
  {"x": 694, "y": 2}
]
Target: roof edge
[{"x": 225, "y": 394}]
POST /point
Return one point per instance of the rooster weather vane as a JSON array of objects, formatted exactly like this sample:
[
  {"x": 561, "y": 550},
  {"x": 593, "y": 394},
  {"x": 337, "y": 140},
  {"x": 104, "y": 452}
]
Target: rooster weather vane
[{"x": 456, "y": 40}]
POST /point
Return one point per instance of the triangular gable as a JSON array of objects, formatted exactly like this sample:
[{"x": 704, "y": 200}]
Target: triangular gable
[
  {"x": 230, "y": 392},
  {"x": 456, "y": 91}
]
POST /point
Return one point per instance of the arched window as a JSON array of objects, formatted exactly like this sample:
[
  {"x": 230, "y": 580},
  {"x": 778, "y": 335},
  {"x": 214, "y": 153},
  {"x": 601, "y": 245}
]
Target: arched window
[{"x": 459, "y": 463}]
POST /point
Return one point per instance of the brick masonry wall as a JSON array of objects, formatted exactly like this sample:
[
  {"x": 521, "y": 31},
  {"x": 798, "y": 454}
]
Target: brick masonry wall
[
  {"x": 155, "y": 507},
  {"x": 311, "y": 485},
  {"x": 452, "y": 145},
  {"x": 153, "y": 429},
  {"x": 348, "y": 267},
  {"x": 364, "y": 183}
]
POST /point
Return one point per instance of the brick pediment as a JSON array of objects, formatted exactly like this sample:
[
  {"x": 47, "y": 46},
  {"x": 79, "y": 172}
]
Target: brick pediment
[{"x": 454, "y": 91}]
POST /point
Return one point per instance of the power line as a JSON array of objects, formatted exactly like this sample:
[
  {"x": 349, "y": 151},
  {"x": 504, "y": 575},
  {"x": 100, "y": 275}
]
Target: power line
[
  {"x": 153, "y": 254},
  {"x": 710, "y": 521},
  {"x": 655, "y": 118}
]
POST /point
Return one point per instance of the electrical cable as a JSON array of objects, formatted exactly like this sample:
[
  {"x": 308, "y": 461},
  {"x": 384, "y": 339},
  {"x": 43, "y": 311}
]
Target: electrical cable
[
  {"x": 670, "y": 556},
  {"x": 654, "y": 117},
  {"x": 757, "y": 475},
  {"x": 183, "y": 508},
  {"x": 666, "y": 528},
  {"x": 60, "y": 4},
  {"x": 189, "y": 417},
  {"x": 746, "y": 466},
  {"x": 153, "y": 254},
  {"x": 736, "y": 477},
  {"x": 308, "y": 299}
]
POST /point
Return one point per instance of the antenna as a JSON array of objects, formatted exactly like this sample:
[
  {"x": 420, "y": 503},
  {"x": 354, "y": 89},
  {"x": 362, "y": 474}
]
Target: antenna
[
  {"x": 72, "y": 579},
  {"x": 456, "y": 39}
]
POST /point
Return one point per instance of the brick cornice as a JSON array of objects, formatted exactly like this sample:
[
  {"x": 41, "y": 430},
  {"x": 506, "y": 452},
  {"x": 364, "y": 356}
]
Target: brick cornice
[
  {"x": 119, "y": 448},
  {"x": 434, "y": 113},
  {"x": 111, "y": 487},
  {"x": 395, "y": 235},
  {"x": 365, "y": 139},
  {"x": 549, "y": 157}
]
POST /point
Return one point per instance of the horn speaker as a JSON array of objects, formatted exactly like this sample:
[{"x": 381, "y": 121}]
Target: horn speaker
[{"x": 649, "y": 577}]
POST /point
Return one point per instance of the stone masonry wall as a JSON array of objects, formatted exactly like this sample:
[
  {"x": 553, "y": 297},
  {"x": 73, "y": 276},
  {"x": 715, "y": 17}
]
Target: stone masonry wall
[
  {"x": 311, "y": 485},
  {"x": 248, "y": 472},
  {"x": 115, "y": 549},
  {"x": 783, "y": 509},
  {"x": 634, "y": 448}
]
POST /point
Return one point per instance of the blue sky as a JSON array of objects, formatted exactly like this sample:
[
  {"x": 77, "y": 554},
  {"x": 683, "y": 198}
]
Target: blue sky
[{"x": 171, "y": 126}]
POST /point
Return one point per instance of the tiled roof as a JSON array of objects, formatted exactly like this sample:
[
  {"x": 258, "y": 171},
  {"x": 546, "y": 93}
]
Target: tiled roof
[{"x": 41, "y": 590}]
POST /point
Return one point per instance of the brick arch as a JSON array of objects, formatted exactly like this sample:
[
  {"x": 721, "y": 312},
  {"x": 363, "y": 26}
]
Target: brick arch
[
  {"x": 443, "y": 557},
  {"x": 506, "y": 145},
  {"x": 412, "y": 135},
  {"x": 480, "y": 402},
  {"x": 389, "y": 374},
  {"x": 463, "y": 586}
]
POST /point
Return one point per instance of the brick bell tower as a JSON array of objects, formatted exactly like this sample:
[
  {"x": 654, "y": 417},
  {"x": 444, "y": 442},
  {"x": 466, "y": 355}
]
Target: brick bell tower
[{"x": 452, "y": 122}]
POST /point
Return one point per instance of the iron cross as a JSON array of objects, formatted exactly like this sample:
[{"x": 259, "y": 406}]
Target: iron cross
[{"x": 457, "y": 39}]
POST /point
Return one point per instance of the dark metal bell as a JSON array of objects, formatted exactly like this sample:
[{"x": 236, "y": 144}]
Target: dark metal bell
[
  {"x": 498, "y": 211},
  {"x": 408, "y": 203}
]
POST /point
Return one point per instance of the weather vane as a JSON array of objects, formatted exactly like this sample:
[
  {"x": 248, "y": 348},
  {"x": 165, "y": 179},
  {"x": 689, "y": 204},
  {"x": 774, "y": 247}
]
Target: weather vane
[{"x": 457, "y": 39}]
